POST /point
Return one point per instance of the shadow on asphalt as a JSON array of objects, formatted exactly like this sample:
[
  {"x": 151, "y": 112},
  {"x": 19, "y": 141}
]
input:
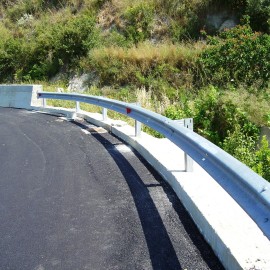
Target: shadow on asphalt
[{"x": 161, "y": 250}]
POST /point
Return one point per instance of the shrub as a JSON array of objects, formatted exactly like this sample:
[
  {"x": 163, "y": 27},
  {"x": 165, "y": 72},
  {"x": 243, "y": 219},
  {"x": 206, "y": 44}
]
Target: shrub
[
  {"x": 11, "y": 58},
  {"x": 205, "y": 106},
  {"x": 254, "y": 102},
  {"x": 245, "y": 149},
  {"x": 15, "y": 10},
  {"x": 237, "y": 56},
  {"x": 185, "y": 15},
  {"x": 262, "y": 157},
  {"x": 241, "y": 146},
  {"x": 214, "y": 118},
  {"x": 139, "y": 19},
  {"x": 179, "y": 111},
  {"x": 62, "y": 45},
  {"x": 42, "y": 52},
  {"x": 115, "y": 39},
  {"x": 259, "y": 12}
]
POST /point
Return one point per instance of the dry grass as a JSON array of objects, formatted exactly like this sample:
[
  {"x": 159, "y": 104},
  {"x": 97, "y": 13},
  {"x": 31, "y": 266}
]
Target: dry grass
[
  {"x": 146, "y": 54},
  {"x": 157, "y": 66},
  {"x": 255, "y": 104},
  {"x": 148, "y": 100},
  {"x": 4, "y": 32}
]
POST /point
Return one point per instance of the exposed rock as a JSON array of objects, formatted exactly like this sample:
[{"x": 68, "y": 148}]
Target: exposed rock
[
  {"x": 228, "y": 24},
  {"x": 220, "y": 20},
  {"x": 78, "y": 83},
  {"x": 82, "y": 82},
  {"x": 58, "y": 77},
  {"x": 160, "y": 29}
]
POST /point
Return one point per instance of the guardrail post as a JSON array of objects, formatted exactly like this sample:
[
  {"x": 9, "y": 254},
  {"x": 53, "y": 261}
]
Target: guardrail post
[
  {"x": 77, "y": 106},
  {"x": 104, "y": 114},
  {"x": 44, "y": 103},
  {"x": 138, "y": 125},
  {"x": 188, "y": 123}
]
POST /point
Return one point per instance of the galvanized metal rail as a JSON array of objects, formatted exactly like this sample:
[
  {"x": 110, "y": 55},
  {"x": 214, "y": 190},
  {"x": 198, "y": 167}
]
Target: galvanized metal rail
[{"x": 250, "y": 190}]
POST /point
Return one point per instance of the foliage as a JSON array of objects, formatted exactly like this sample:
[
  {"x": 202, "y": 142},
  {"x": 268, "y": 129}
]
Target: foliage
[
  {"x": 259, "y": 12},
  {"x": 42, "y": 53},
  {"x": 115, "y": 39},
  {"x": 245, "y": 149},
  {"x": 139, "y": 21},
  {"x": 237, "y": 56},
  {"x": 240, "y": 145},
  {"x": 254, "y": 102},
  {"x": 185, "y": 16},
  {"x": 178, "y": 111},
  {"x": 214, "y": 117},
  {"x": 262, "y": 160}
]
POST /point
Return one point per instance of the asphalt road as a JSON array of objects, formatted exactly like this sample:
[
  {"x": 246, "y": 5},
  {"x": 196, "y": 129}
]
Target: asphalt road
[{"x": 74, "y": 197}]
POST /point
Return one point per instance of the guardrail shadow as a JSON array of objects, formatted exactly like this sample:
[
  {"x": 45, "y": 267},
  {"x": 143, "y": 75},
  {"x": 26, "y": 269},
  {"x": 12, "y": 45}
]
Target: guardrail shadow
[{"x": 161, "y": 250}]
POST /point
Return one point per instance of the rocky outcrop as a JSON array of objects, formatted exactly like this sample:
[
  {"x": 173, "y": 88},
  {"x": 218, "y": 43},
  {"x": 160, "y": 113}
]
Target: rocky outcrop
[
  {"x": 221, "y": 20},
  {"x": 80, "y": 83}
]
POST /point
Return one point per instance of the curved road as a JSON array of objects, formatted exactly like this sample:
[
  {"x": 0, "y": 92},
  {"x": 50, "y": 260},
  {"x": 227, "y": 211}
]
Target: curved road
[{"x": 74, "y": 197}]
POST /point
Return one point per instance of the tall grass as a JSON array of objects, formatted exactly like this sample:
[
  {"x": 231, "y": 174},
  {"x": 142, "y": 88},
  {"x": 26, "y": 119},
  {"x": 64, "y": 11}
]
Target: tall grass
[{"x": 145, "y": 65}]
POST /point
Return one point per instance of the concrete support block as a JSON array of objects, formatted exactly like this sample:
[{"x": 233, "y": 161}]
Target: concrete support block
[{"x": 20, "y": 96}]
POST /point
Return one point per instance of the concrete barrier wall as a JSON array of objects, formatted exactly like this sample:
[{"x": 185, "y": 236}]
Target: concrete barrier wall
[{"x": 20, "y": 96}]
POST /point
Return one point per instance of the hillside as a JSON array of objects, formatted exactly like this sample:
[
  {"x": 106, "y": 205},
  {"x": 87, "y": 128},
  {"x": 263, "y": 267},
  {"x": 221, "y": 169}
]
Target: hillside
[{"x": 205, "y": 59}]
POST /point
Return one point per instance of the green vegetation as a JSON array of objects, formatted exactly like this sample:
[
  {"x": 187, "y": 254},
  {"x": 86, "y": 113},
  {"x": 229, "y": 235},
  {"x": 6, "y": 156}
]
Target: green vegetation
[
  {"x": 239, "y": 56},
  {"x": 157, "y": 52}
]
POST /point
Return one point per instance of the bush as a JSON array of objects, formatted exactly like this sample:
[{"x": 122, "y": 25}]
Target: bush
[
  {"x": 241, "y": 146},
  {"x": 237, "y": 56},
  {"x": 262, "y": 157},
  {"x": 179, "y": 111},
  {"x": 214, "y": 118},
  {"x": 185, "y": 16},
  {"x": 259, "y": 12},
  {"x": 41, "y": 53},
  {"x": 205, "y": 113},
  {"x": 254, "y": 102},
  {"x": 12, "y": 58},
  {"x": 245, "y": 149},
  {"x": 139, "y": 21},
  {"x": 115, "y": 39}
]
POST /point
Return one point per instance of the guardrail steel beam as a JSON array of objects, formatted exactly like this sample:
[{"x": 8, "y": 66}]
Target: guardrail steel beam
[{"x": 250, "y": 190}]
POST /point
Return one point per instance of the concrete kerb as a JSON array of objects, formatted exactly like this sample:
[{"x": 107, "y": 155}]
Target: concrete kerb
[{"x": 233, "y": 235}]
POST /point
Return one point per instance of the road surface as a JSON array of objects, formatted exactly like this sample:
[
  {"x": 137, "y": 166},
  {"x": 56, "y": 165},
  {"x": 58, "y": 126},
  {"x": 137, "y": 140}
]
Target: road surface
[{"x": 72, "y": 196}]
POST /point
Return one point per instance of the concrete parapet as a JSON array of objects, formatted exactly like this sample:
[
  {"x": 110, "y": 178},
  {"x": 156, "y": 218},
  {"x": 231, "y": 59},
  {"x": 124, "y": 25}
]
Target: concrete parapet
[{"x": 20, "y": 96}]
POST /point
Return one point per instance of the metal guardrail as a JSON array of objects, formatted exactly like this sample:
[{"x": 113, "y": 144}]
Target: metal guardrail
[{"x": 248, "y": 189}]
